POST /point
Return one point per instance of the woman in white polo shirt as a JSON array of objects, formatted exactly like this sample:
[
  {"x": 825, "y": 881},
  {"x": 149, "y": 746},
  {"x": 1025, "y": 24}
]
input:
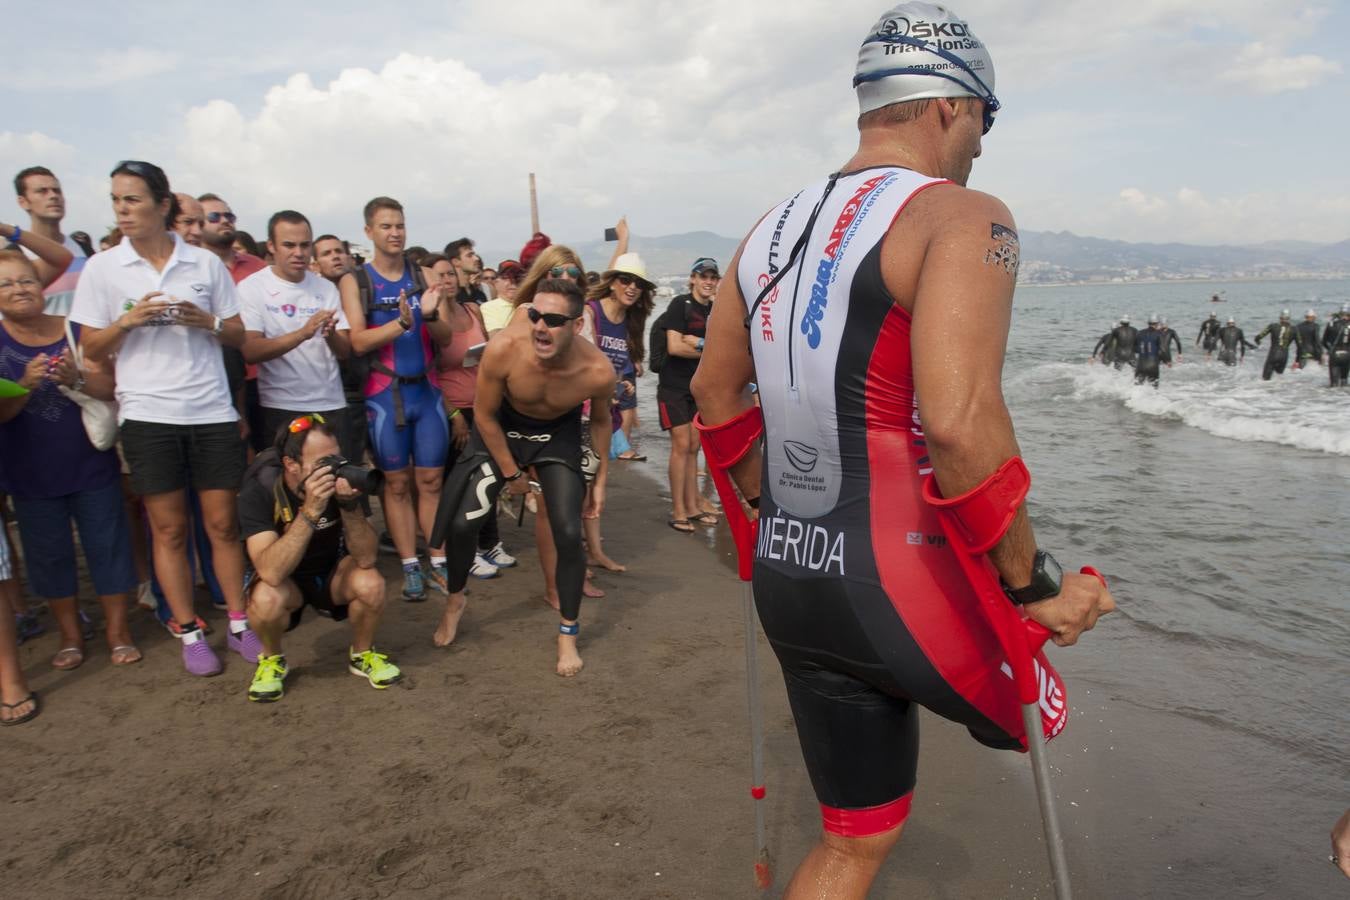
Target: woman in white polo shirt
[{"x": 160, "y": 309}]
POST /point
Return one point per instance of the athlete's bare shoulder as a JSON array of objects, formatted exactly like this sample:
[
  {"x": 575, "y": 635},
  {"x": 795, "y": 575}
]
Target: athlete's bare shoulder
[{"x": 948, "y": 223}]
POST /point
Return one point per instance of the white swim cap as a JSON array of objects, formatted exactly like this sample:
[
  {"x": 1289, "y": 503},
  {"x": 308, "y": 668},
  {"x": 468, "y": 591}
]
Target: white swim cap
[
  {"x": 918, "y": 51},
  {"x": 1284, "y": 314},
  {"x": 1232, "y": 321},
  {"x": 1153, "y": 319},
  {"x": 1124, "y": 320},
  {"x": 1213, "y": 314},
  {"x": 1310, "y": 314}
]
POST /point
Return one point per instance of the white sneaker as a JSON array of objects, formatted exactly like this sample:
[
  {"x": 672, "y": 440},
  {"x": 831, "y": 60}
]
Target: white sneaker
[
  {"x": 498, "y": 557},
  {"x": 481, "y": 568}
]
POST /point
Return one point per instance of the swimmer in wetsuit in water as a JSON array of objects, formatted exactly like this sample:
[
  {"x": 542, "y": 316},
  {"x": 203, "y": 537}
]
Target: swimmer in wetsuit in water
[
  {"x": 1232, "y": 342},
  {"x": 1148, "y": 348},
  {"x": 1281, "y": 336},
  {"x": 1099, "y": 351},
  {"x": 1169, "y": 337},
  {"x": 1309, "y": 342},
  {"x": 1336, "y": 340},
  {"x": 1209, "y": 334},
  {"x": 857, "y": 589},
  {"x": 534, "y": 377},
  {"x": 1120, "y": 346}
]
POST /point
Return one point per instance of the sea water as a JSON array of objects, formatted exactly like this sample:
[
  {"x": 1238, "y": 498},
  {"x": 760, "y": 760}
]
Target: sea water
[{"x": 1218, "y": 505}]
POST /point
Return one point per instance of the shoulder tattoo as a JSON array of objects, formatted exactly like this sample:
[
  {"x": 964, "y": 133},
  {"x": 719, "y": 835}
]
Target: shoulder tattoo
[{"x": 1005, "y": 250}]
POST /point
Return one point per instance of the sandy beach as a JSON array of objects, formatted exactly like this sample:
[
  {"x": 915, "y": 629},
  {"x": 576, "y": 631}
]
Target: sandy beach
[{"x": 485, "y": 775}]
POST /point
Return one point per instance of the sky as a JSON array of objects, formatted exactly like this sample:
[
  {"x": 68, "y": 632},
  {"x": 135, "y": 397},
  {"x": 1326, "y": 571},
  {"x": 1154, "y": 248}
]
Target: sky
[{"x": 1201, "y": 121}]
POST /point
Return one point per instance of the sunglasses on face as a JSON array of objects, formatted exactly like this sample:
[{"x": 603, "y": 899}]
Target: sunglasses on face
[
  {"x": 627, "y": 280},
  {"x": 305, "y": 423},
  {"x": 214, "y": 217},
  {"x": 571, "y": 272},
  {"x": 552, "y": 320}
]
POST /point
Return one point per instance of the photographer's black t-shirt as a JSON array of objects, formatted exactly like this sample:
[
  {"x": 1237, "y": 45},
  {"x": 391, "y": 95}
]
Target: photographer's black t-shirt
[{"x": 259, "y": 511}]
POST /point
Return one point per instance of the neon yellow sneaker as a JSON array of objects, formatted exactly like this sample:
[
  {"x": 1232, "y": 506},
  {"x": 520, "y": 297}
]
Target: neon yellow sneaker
[
  {"x": 268, "y": 679},
  {"x": 375, "y": 667}
]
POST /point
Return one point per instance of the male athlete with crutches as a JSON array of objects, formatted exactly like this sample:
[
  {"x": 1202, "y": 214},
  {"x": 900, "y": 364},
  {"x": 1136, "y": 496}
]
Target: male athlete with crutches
[{"x": 872, "y": 309}]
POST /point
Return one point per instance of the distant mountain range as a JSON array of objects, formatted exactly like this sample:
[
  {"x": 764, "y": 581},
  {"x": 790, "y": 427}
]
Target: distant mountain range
[{"x": 1048, "y": 257}]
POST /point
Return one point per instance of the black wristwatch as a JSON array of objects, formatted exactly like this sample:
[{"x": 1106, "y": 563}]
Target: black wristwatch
[{"x": 1046, "y": 578}]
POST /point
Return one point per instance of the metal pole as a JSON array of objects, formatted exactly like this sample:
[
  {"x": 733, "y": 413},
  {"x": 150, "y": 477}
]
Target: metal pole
[
  {"x": 763, "y": 869},
  {"x": 534, "y": 207},
  {"x": 1040, "y": 767}
]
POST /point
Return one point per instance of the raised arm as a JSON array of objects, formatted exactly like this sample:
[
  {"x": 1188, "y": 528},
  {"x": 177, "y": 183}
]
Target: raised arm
[{"x": 52, "y": 258}]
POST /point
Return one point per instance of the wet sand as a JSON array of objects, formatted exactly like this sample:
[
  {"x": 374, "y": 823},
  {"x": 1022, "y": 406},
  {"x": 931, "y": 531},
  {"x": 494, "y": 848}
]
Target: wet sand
[{"x": 485, "y": 775}]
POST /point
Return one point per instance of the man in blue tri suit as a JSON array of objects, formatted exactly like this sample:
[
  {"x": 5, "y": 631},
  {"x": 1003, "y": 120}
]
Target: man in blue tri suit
[{"x": 394, "y": 326}]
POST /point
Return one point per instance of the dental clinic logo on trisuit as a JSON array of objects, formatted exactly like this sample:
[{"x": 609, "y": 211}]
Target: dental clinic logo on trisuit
[{"x": 801, "y": 457}]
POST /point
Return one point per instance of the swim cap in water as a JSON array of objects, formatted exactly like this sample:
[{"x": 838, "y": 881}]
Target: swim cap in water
[
  {"x": 1213, "y": 314},
  {"x": 1284, "y": 314},
  {"x": 918, "y": 51},
  {"x": 1153, "y": 319},
  {"x": 1232, "y": 321},
  {"x": 1310, "y": 314},
  {"x": 1124, "y": 320}
]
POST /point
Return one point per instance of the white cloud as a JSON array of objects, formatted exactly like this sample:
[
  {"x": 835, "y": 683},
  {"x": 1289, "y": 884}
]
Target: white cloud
[{"x": 1261, "y": 68}]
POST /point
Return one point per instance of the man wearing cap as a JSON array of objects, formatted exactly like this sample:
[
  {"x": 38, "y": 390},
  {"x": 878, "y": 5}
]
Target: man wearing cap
[
  {"x": 1120, "y": 346},
  {"x": 1309, "y": 343},
  {"x": 1233, "y": 342},
  {"x": 1336, "y": 340},
  {"x": 685, "y": 322},
  {"x": 1281, "y": 336},
  {"x": 848, "y": 300},
  {"x": 497, "y": 311},
  {"x": 1148, "y": 349},
  {"x": 1209, "y": 334}
]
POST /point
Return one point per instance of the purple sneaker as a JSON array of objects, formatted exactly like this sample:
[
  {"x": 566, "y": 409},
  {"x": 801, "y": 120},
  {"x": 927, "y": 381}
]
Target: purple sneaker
[
  {"x": 200, "y": 659},
  {"x": 246, "y": 644}
]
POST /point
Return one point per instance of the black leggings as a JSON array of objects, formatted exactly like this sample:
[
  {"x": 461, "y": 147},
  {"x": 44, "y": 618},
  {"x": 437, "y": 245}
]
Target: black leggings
[
  {"x": 1275, "y": 362},
  {"x": 564, "y": 491},
  {"x": 491, "y": 533}
]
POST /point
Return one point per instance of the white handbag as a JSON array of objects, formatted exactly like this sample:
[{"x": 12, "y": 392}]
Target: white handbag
[{"x": 99, "y": 416}]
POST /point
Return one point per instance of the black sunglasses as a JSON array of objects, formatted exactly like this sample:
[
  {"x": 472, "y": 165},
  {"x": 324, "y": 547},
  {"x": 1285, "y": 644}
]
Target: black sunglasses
[
  {"x": 625, "y": 279},
  {"x": 552, "y": 320},
  {"x": 214, "y": 217}
]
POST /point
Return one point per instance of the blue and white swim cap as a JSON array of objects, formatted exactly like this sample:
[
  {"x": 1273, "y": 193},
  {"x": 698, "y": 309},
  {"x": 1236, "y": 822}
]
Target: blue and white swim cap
[{"x": 918, "y": 51}]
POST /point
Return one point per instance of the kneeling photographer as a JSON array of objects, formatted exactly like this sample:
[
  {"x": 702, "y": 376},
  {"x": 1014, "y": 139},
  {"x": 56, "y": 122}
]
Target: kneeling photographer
[{"x": 309, "y": 544}]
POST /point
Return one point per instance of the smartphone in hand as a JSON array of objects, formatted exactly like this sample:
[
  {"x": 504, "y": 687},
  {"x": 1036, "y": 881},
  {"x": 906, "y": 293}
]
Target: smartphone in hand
[{"x": 611, "y": 234}]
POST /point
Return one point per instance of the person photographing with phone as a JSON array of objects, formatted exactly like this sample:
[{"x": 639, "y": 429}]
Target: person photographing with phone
[
  {"x": 296, "y": 333},
  {"x": 309, "y": 544},
  {"x": 159, "y": 310}
]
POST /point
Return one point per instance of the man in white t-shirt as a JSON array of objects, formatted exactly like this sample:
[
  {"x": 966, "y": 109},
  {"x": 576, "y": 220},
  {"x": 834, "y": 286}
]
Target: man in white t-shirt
[
  {"x": 295, "y": 332},
  {"x": 39, "y": 194}
]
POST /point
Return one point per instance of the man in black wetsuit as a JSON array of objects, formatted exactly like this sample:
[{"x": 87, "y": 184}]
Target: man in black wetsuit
[
  {"x": 535, "y": 375},
  {"x": 1209, "y": 334},
  {"x": 1120, "y": 346},
  {"x": 1169, "y": 337},
  {"x": 1281, "y": 336},
  {"x": 1336, "y": 340},
  {"x": 1309, "y": 342},
  {"x": 1099, "y": 351},
  {"x": 1148, "y": 348},
  {"x": 1232, "y": 342}
]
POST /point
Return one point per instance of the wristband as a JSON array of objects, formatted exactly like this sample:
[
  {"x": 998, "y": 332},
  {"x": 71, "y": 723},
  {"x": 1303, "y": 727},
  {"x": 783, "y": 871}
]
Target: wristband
[
  {"x": 18, "y": 233},
  {"x": 313, "y": 522},
  {"x": 699, "y": 345},
  {"x": 452, "y": 413},
  {"x": 520, "y": 473},
  {"x": 433, "y": 316},
  {"x": 752, "y": 502},
  {"x": 406, "y": 326},
  {"x": 218, "y": 327}
]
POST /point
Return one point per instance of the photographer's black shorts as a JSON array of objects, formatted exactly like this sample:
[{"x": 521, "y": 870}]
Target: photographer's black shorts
[{"x": 315, "y": 591}]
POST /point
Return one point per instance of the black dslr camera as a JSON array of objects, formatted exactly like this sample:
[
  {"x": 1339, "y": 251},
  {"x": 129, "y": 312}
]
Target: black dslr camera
[{"x": 367, "y": 481}]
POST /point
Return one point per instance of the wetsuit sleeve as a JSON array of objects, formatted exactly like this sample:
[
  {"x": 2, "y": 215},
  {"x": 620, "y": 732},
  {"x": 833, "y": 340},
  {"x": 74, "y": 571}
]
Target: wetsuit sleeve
[{"x": 1261, "y": 334}]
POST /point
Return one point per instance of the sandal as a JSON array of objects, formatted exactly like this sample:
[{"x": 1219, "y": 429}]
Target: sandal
[
  {"x": 125, "y": 655},
  {"x": 705, "y": 518},
  {"x": 683, "y": 526},
  {"x": 636, "y": 457},
  {"x": 31, "y": 714},
  {"x": 68, "y": 658}
]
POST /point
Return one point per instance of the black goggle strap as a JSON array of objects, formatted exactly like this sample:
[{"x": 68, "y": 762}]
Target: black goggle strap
[{"x": 797, "y": 249}]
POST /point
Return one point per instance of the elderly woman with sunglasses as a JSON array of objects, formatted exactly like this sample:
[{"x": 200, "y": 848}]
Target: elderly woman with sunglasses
[
  {"x": 55, "y": 474},
  {"x": 160, "y": 310}
]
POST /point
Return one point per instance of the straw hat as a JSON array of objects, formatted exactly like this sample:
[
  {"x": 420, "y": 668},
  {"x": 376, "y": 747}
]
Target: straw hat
[{"x": 632, "y": 264}]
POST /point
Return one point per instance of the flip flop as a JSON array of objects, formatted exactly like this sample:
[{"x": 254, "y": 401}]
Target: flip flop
[
  {"x": 636, "y": 457},
  {"x": 705, "y": 518},
  {"x": 125, "y": 655},
  {"x": 31, "y": 714},
  {"x": 68, "y": 658},
  {"x": 683, "y": 526}
]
